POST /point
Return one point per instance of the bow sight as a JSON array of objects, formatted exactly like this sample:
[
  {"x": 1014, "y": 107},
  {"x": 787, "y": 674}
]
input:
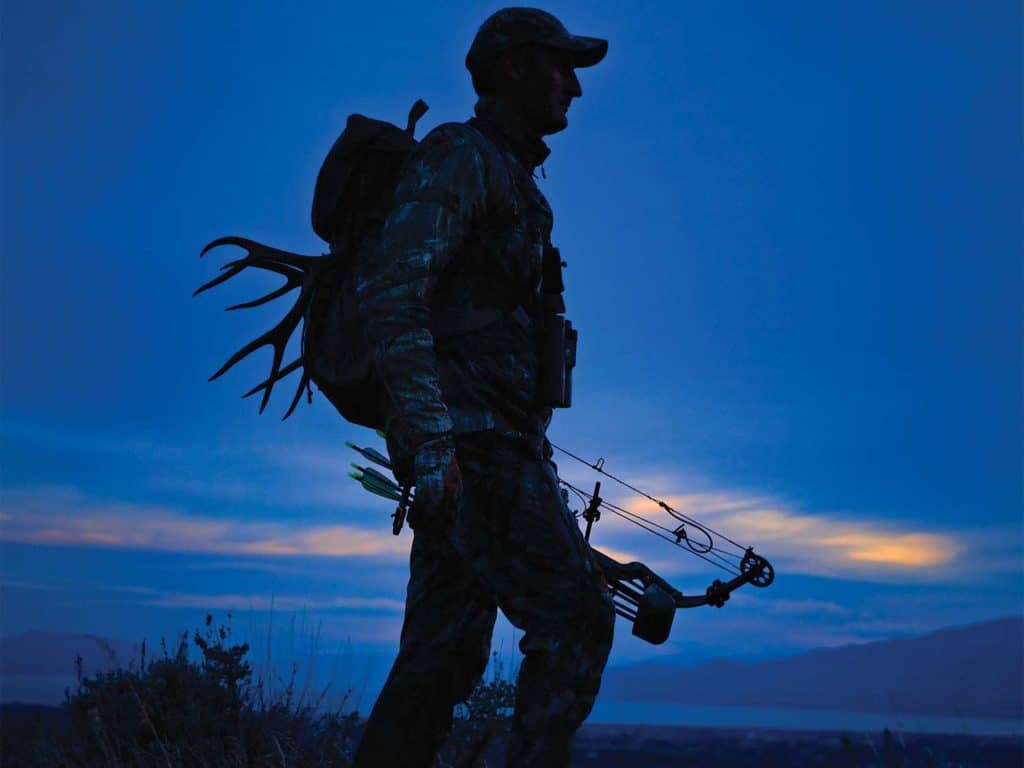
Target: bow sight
[{"x": 641, "y": 596}]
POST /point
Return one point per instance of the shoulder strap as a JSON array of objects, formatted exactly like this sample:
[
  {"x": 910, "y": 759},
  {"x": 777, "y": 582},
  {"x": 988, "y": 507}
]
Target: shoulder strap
[{"x": 488, "y": 139}]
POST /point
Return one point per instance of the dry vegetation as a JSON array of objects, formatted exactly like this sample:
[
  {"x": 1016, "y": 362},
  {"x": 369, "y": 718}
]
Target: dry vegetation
[{"x": 198, "y": 704}]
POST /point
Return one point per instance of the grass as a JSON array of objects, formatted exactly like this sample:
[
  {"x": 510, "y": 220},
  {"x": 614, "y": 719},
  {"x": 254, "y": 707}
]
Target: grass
[{"x": 197, "y": 703}]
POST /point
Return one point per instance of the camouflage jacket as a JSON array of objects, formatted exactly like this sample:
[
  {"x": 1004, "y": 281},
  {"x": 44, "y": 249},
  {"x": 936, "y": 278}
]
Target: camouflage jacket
[{"x": 466, "y": 236}]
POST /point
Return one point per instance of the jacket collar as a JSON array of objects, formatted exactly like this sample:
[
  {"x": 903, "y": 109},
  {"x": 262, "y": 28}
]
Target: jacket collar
[{"x": 530, "y": 150}]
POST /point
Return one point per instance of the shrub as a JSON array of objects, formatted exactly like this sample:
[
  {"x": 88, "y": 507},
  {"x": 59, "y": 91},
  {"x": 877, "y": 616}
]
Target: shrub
[
  {"x": 482, "y": 722},
  {"x": 176, "y": 712},
  {"x": 180, "y": 710}
]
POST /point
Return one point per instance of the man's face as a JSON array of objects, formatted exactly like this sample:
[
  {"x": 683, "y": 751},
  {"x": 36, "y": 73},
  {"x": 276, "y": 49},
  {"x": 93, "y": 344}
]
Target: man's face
[
  {"x": 547, "y": 86},
  {"x": 562, "y": 87}
]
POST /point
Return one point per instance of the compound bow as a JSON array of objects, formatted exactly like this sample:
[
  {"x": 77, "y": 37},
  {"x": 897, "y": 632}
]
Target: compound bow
[{"x": 641, "y": 596}]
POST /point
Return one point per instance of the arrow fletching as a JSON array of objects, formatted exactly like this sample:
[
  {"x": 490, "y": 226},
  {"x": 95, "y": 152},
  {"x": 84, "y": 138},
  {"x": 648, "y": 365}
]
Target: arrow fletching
[
  {"x": 369, "y": 453},
  {"x": 375, "y": 487},
  {"x": 380, "y": 477},
  {"x": 370, "y": 475}
]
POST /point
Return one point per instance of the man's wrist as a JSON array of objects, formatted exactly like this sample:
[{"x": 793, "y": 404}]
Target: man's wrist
[
  {"x": 439, "y": 442},
  {"x": 405, "y": 461}
]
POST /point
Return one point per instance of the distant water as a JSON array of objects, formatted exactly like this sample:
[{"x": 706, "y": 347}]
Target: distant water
[
  {"x": 50, "y": 690},
  {"x": 645, "y": 713}
]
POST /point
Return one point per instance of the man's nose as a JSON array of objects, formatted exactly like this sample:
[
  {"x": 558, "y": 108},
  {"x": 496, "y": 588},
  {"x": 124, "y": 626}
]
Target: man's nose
[{"x": 575, "y": 90}]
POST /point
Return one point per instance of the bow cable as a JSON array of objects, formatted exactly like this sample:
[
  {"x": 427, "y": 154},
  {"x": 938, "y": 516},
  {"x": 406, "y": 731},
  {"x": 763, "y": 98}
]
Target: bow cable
[{"x": 706, "y": 550}]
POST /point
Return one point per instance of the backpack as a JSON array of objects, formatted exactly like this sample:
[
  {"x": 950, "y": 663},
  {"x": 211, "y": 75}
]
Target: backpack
[{"x": 352, "y": 197}]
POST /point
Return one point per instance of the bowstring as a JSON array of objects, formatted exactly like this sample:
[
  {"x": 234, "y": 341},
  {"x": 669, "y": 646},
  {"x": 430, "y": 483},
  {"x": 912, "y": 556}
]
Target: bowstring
[
  {"x": 713, "y": 555},
  {"x": 598, "y": 466},
  {"x": 706, "y": 551}
]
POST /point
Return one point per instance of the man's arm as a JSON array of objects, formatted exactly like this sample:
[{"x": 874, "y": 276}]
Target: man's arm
[{"x": 439, "y": 196}]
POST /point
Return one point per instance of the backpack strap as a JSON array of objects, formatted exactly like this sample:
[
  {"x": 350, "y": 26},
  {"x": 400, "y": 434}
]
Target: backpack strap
[
  {"x": 459, "y": 323},
  {"x": 485, "y": 136}
]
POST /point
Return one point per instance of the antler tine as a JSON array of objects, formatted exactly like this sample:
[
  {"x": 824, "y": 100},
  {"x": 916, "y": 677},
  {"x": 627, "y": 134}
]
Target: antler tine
[
  {"x": 266, "y": 338},
  {"x": 275, "y": 365},
  {"x": 277, "y": 337},
  {"x": 299, "y": 272},
  {"x": 268, "y": 264},
  {"x": 270, "y": 381},
  {"x": 293, "y": 275},
  {"x": 290, "y": 285},
  {"x": 219, "y": 279},
  {"x": 229, "y": 240},
  {"x": 298, "y": 394},
  {"x": 261, "y": 252}
]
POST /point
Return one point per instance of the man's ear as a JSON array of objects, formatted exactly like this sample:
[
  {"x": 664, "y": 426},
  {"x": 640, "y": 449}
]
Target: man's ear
[
  {"x": 517, "y": 68},
  {"x": 508, "y": 70},
  {"x": 515, "y": 65}
]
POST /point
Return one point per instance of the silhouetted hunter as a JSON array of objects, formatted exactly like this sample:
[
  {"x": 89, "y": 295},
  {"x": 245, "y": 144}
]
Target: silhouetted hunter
[
  {"x": 461, "y": 301},
  {"x": 437, "y": 318}
]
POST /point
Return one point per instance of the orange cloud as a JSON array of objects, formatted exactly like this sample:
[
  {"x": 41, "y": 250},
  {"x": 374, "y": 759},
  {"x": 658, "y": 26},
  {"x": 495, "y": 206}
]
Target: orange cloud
[
  {"x": 57, "y": 516},
  {"x": 911, "y": 550},
  {"x": 821, "y": 544},
  {"x": 621, "y": 555}
]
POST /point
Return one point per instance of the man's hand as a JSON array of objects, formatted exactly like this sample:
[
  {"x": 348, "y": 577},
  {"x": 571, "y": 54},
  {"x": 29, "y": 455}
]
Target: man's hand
[{"x": 438, "y": 486}]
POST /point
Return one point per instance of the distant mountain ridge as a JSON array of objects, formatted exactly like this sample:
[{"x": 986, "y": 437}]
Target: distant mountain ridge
[
  {"x": 54, "y": 653},
  {"x": 970, "y": 671},
  {"x": 975, "y": 671},
  {"x": 38, "y": 667}
]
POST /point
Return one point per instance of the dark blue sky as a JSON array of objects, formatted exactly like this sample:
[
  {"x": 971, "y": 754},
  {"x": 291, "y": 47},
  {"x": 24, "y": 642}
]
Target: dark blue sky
[{"x": 794, "y": 238}]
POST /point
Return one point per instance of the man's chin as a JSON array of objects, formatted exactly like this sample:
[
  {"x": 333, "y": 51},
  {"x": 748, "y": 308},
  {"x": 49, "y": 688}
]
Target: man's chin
[{"x": 556, "y": 125}]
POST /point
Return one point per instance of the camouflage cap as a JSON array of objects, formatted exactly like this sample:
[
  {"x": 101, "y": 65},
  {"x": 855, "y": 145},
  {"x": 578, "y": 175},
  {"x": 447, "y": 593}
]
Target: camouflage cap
[{"x": 511, "y": 27}]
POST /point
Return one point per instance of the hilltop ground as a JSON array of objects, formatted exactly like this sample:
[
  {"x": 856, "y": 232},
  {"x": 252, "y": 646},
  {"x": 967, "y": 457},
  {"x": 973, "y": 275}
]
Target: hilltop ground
[{"x": 645, "y": 746}]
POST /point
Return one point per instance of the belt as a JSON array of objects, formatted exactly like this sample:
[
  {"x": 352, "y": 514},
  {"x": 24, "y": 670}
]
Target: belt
[{"x": 467, "y": 421}]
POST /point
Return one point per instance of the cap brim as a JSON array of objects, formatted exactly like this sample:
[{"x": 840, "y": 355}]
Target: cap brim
[{"x": 586, "y": 51}]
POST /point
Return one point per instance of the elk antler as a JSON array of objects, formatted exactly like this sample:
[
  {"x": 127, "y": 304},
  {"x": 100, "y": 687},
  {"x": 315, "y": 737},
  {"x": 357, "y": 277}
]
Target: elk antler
[{"x": 298, "y": 272}]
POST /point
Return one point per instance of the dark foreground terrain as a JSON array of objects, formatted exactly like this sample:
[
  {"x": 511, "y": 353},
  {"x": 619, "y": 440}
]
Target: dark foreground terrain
[
  {"x": 648, "y": 746},
  {"x": 611, "y": 746},
  {"x": 198, "y": 704}
]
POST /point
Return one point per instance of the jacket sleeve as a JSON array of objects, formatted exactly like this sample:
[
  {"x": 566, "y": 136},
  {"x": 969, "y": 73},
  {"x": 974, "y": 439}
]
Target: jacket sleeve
[{"x": 438, "y": 197}]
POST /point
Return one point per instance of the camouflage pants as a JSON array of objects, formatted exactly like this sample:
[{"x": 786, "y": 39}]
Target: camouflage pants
[{"x": 514, "y": 545}]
